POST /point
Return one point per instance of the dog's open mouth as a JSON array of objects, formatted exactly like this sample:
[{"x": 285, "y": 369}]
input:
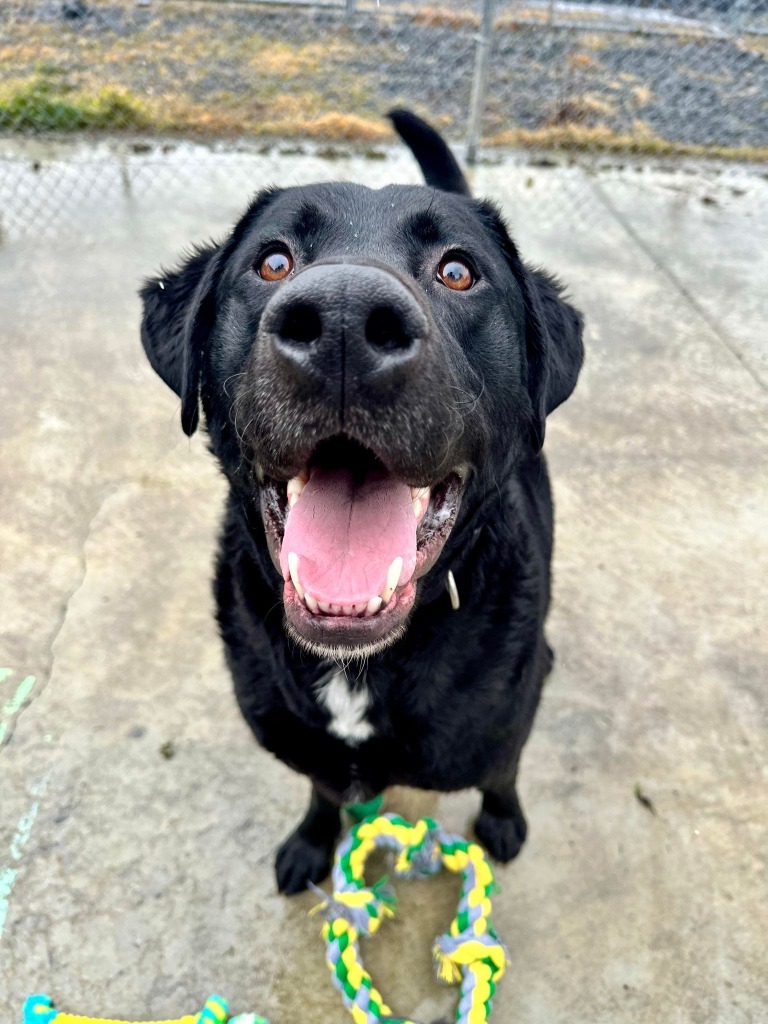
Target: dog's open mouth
[{"x": 350, "y": 540}]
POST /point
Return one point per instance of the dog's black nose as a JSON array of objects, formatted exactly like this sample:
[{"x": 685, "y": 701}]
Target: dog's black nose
[{"x": 350, "y": 327}]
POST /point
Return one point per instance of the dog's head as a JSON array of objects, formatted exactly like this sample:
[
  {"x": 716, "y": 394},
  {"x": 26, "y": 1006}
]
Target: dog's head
[{"x": 371, "y": 365}]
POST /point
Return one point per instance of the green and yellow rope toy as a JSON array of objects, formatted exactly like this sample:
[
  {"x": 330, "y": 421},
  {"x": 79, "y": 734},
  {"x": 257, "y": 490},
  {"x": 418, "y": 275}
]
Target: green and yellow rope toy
[{"x": 469, "y": 952}]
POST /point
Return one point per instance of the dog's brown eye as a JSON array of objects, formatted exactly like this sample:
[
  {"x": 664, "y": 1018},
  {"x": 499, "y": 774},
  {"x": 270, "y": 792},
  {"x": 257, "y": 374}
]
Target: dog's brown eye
[
  {"x": 275, "y": 265},
  {"x": 455, "y": 274}
]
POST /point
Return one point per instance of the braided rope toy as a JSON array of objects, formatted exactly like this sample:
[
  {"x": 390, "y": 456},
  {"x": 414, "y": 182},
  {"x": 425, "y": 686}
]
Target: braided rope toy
[
  {"x": 469, "y": 952},
  {"x": 40, "y": 1010}
]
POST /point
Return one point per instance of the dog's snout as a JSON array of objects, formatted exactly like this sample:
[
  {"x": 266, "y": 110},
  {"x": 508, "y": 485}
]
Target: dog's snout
[{"x": 356, "y": 324}]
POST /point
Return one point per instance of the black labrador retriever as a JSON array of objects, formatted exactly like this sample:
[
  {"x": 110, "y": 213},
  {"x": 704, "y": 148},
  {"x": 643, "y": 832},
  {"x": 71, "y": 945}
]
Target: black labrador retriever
[{"x": 375, "y": 369}]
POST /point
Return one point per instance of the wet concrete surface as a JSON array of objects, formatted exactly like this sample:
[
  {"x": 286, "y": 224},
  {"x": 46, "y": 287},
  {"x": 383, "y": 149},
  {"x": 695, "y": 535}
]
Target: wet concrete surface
[{"x": 139, "y": 820}]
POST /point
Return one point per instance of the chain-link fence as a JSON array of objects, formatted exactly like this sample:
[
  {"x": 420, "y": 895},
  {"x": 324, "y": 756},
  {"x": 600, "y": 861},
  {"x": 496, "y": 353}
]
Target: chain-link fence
[{"x": 650, "y": 78}]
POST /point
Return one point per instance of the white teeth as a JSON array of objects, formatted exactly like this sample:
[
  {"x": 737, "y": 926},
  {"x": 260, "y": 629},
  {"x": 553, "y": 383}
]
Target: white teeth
[
  {"x": 293, "y": 568},
  {"x": 295, "y": 486},
  {"x": 371, "y": 607},
  {"x": 420, "y": 496},
  {"x": 392, "y": 577}
]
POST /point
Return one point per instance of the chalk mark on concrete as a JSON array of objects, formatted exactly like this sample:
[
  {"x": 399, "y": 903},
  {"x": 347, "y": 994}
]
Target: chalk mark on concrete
[
  {"x": 9, "y": 872},
  {"x": 11, "y": 708}
]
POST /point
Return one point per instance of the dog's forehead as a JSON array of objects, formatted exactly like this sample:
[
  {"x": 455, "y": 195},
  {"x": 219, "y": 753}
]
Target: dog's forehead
[{"x": 358, "y": 215}]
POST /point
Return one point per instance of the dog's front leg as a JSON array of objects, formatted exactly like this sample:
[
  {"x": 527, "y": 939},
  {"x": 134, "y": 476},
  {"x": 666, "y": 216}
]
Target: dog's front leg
[
  {"x": 501, "y": 826},
  {"x": 307, "y": 854}
]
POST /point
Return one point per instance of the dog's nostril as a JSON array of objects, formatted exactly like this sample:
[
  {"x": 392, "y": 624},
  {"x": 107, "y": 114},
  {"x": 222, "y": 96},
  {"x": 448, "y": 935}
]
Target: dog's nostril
[
  {"x": 301, "y": 325},
  {"x": 384, "y": 330}
]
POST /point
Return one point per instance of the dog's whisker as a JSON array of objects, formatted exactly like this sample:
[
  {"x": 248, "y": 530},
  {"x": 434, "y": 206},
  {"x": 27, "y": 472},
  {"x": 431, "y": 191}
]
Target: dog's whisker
[{"x": 232, "y": 377}]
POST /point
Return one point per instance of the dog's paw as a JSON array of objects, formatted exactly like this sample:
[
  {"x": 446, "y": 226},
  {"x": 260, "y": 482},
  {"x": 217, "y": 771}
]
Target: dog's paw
[
  {"x": 502, "y": 837},
  {"x": 300, "y": 862}
]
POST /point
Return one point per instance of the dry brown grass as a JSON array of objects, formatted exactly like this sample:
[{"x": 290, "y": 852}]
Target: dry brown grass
[
  {"x": 603, "y": 139},
  {"x": 348, "y": 127},
  {"x": 755, "y": 44},
  {"x": 581, "y": 110},
  {"x": 514, "y": 22},
  {"x": 582, "y": 62},
  {"x": 442, "y": 17},
  {"x": 641, "y": 96},
  {"x": 594, "y": 42},
  {"x": 286, "y": 117},
  {"x": 288, "y": 61}
]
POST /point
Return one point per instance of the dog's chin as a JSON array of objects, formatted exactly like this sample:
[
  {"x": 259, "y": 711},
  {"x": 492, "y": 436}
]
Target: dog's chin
[
  {"x": 346, "y": 638},
  {"x": 360, "y": 538}
]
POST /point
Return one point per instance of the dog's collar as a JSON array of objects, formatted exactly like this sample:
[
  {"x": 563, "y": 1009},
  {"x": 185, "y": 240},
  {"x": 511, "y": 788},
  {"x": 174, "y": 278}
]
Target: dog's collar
[
  {"x": 453, "y": 590},
  {"x": 442, "y": 582}
]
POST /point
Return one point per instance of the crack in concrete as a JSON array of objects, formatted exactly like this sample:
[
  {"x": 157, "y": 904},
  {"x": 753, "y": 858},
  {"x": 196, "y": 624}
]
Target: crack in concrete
[
  {"x": 48, "y": 655},
  {"x": 689, "y": 297}
]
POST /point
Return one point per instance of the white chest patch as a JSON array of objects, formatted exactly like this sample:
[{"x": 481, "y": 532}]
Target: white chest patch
[{"x": 346, "y": 706}]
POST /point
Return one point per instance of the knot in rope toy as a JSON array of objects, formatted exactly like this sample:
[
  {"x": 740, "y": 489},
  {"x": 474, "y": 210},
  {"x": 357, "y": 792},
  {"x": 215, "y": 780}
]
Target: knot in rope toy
[{"x": 469, "y": 952}]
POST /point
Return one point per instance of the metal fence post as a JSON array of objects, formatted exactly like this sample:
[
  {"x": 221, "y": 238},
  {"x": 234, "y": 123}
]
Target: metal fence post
[
  {"x": 350, "y": 8},
  {"x": 480, "y": 81}
]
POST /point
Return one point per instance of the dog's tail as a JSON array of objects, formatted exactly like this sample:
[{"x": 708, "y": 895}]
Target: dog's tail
[{"x": 437, "y": 162}]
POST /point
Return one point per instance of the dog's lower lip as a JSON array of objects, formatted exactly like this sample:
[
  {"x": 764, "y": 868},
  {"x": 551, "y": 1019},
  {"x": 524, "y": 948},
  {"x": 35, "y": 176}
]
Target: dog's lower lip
[{"x": 348, "y": 632}]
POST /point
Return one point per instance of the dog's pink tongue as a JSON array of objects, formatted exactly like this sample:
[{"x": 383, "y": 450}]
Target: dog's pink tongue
[{"x": 347, "y": 534}]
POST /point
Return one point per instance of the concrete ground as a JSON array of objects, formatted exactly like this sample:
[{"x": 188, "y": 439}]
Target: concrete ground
[{"x": 138, "y": 819}]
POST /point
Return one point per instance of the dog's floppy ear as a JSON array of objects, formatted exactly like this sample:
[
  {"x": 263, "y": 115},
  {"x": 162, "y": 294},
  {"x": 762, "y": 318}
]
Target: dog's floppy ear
[
  {"x": 554, "y": 348},
  {"x": 437, "y": 162},
  {"x": 178, "y": 315}
]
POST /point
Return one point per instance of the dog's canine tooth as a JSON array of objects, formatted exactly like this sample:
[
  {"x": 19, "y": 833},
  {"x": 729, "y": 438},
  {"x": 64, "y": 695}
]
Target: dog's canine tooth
[
  {"x": 295, "y": 486},
  {"x": 312, "y": 604},
  {"x": 293, "y": 568},
  {"x": 420, "y": 497},
  {"x": 392, "y": 578},
  {"x": 373, "y": 606}
]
